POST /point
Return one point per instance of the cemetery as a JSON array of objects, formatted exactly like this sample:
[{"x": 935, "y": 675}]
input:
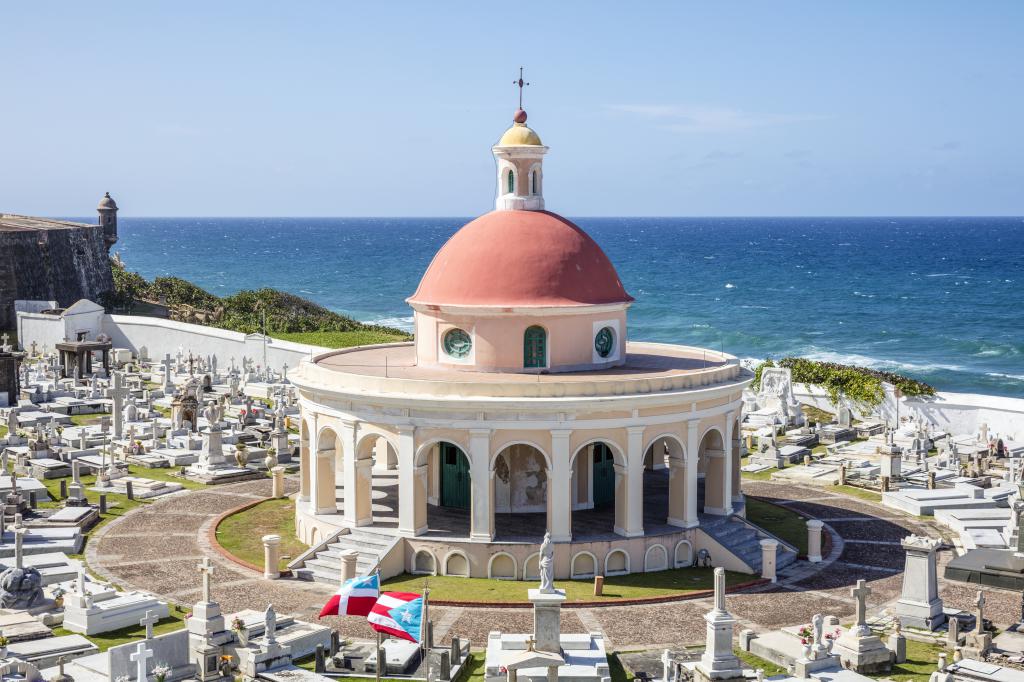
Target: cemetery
[{"x": 519, "y": 491}]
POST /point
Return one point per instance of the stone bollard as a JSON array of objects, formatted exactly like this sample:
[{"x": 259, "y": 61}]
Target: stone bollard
[
  {"x": 931, "y": 480},
  {"x": 103, "y": 503},
  {"x": 598, "y": 585},
  {"x": 807, "y": 460},
  {"x": 348, "y": 566},
  {"x": 271, "y": 556},
  {"x": 382, "y": 662},
  {"x": 32, "y": 502},
  {"x": 768, "y": 549},
  {"x": 885, "y": 484},
  {"x": 456, "y": 650},
  {"x": 129, "y": 490},
  {"x": 277, "y": 491},
  {"x": 952, "y": 633},
  {"x": 63, "y": 489},
  {"x": 842, "y": 474},
  {"x": 814, "y": 527},
  {"x": 446, "y": 667},
  {"x": 319, "y": 664}
]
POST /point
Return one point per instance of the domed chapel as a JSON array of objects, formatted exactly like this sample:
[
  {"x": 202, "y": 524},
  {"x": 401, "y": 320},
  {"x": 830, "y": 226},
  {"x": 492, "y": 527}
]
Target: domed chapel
[{"x": 522, "y": 407}]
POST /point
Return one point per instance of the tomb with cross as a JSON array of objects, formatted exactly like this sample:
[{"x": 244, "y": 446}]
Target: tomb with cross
[{"x": 858, "y": 648}]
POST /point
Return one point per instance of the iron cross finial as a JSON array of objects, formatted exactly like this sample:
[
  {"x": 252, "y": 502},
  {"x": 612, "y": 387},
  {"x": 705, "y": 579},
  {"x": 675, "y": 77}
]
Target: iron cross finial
[{"x": 521, "y": 83}]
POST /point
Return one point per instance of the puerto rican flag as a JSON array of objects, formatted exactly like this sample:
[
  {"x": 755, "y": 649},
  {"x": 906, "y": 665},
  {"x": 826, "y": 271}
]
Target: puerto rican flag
[
  {"x": 399, "y": 614},
  {"x": 356, "y": 597}
]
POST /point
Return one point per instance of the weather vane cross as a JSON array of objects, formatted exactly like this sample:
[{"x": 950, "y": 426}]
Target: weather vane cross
[{"x": 521, "y": 83}]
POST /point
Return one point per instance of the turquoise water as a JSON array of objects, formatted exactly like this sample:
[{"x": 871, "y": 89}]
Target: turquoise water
[{"x": 940, "y": 299}]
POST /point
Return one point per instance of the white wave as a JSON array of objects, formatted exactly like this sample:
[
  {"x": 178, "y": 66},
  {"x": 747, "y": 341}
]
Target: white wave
[
  {"x": 730, "y": 285},
  {"x": 403, "y": 323},
  {"x": 877, "y": 363},
  {"x": 1015, "y": 377}
]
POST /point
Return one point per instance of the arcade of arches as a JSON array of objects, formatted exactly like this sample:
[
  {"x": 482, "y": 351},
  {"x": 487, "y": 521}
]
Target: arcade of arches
[{"x": 495, "y": 485}]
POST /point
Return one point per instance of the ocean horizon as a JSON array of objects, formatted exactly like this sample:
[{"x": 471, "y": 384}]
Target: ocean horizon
[{"x": 936, "y": 298}]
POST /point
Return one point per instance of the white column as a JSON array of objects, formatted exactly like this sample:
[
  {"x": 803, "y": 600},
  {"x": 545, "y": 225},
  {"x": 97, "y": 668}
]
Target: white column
[
  {"x": 407, "y": 481},
  {"x": 768, "y": 549},
  {"x": 727, "y": 466},
  {"x": 349, "y": 472},
  {"x": 814, "y": 527},
  {"x": 314, "y": 445},
  {"x": 634, "y": 482},
  {"x": 559, "y": 498},
  {"x": 271, "y": 556},
  {"x": 692, "y": 445},
  {"x": 482, "y": 494}
]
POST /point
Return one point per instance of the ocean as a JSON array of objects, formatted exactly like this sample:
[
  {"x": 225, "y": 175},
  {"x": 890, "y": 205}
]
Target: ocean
[{"x": 939, "y": 299}]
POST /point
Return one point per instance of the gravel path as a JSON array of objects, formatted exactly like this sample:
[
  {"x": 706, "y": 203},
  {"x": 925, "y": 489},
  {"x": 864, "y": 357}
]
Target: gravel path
[{"x": 156, "y": 548}]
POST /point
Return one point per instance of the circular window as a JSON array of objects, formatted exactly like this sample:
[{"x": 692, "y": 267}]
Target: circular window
[
  {"x": 604, "y": 342},
  {"x": 457, "y": 343}
]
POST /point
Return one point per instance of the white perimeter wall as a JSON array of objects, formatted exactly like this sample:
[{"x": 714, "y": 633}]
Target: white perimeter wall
[
  {"x": 956, "y": 413},
  {"x": 161, "y": 336}
]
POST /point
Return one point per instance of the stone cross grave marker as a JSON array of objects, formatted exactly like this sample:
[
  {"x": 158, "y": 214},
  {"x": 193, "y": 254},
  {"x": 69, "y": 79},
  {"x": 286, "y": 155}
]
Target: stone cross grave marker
[
  {"x": 860, "y": 593},
  {"x": 139, "y": 658},
  {"x": 148, "y": 622},
  {"x": 206, "y": 568},
  {"x": 979, "y": 615},
  {"x": 19, "y": 533},
  {"x": 118, "y": 393}
]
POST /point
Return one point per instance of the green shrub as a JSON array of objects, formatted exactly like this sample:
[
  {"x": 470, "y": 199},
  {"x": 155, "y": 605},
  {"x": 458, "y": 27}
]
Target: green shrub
[{"x": 857, "y": 384}]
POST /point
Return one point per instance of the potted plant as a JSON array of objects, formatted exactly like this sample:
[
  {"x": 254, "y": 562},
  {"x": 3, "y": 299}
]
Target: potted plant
[
  {"x": 3, "y": 645},
  {"x": 241, "y": 632}
]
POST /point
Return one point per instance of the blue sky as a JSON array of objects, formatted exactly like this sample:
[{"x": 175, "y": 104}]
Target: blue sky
[{"x": 344, "y": 109}]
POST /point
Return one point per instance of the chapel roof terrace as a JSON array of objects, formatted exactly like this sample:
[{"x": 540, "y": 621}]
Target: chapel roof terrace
[
  {"x": 391, "y": 369},
  {"x": 10, "y": 222}
]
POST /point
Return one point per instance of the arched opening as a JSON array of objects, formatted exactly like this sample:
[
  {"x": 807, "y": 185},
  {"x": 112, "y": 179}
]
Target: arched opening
[
  {"x": 502, "y": 566},
  {"x": 535, "y": 347},
  {"x": 371, "y": 497},
  {"x": 325, "y": 485},
  {"x": 655, "y": 559},
  {"x": 456, "y": 564},
  {"x": 449, "y": 488},
  {"x": 424, "y": 563},
  {"x": 598, "y": 491},
  {"x": 584, "y": 565},
  {"x": 683, "y": 554},
  {"x": 510, "y": 182},
  {"x": 304, "y": 464},
  {"x": 712, "y": 455},
  {"x": 616, "y": 563},
  {"x": 666, "y": 489},
  {"x": 520, "y": 492}
]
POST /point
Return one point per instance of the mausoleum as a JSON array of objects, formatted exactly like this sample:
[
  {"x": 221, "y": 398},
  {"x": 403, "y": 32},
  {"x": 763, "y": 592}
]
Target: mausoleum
[{"x": 522, "y": 407}]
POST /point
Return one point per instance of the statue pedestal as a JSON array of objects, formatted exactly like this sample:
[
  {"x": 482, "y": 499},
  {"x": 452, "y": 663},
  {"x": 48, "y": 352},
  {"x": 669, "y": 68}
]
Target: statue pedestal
[{"x": 547, "y": 624}]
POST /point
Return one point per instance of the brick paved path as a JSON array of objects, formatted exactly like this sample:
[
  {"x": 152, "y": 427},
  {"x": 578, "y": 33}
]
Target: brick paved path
[{"x": 157, "y": 546}]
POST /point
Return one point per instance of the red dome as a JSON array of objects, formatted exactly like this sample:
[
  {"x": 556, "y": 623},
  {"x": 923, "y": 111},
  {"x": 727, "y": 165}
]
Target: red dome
[{"x": 520, "y": 258}]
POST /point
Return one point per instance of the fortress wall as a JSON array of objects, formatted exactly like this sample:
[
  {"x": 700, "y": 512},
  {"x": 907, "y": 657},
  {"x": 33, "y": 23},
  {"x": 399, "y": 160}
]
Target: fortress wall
[{"x": 61, "y": 264}]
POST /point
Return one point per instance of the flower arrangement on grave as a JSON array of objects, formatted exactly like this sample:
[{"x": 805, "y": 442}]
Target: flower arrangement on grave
[
  {"x": 3, "y": 641},
  {"x": 237, "y": 625},
  {"x": 161, "y": 671},
  {"x": 806, "y": 633}
]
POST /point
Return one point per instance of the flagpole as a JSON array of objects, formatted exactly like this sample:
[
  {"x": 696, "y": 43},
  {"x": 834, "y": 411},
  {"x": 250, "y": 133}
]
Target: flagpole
[
  {"x": 380, "y": 651},
  {"x": 425, "y": 620}
]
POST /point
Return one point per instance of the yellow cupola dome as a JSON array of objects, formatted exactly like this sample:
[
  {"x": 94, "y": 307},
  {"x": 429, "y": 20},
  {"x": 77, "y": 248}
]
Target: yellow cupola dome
[{"x": 519, "y": 134}]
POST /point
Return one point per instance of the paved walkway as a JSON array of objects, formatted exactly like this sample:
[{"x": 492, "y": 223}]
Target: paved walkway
[{"x": 156, "y": 548}]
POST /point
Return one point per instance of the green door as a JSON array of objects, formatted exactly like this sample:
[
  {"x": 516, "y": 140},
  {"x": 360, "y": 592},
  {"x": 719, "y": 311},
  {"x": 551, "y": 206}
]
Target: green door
[
  {"x": 454, "y": 477},
  {"x": 604, "y": 476}
]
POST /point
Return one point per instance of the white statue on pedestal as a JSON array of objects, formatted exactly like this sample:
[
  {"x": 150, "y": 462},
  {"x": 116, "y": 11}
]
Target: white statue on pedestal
[{"x": 547, "y": 565}]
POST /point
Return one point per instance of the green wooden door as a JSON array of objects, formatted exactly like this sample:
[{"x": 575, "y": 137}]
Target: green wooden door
[
  {"x": 604, "y": 476},
  {"x": 454, "y": 477}
]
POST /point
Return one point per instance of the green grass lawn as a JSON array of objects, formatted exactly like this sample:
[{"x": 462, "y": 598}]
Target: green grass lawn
[
  {"x": 116, "y": 637},
  {"x": 755, "y": 662},
  {"x": 85, "y": 419},
  {"x": 341, "y": 339},
  {"x": 633, "y": 586},
  {"x": 241, "y": 534},
  {"x": 922, "y": 661},
  {"x": 860, "y": 493},
  {"x": 777, "y": 520}
]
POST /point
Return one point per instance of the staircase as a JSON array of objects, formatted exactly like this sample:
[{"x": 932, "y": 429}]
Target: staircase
[
  {"x": 371, "y": 547},
  {"x": 742, "y": 541}
]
